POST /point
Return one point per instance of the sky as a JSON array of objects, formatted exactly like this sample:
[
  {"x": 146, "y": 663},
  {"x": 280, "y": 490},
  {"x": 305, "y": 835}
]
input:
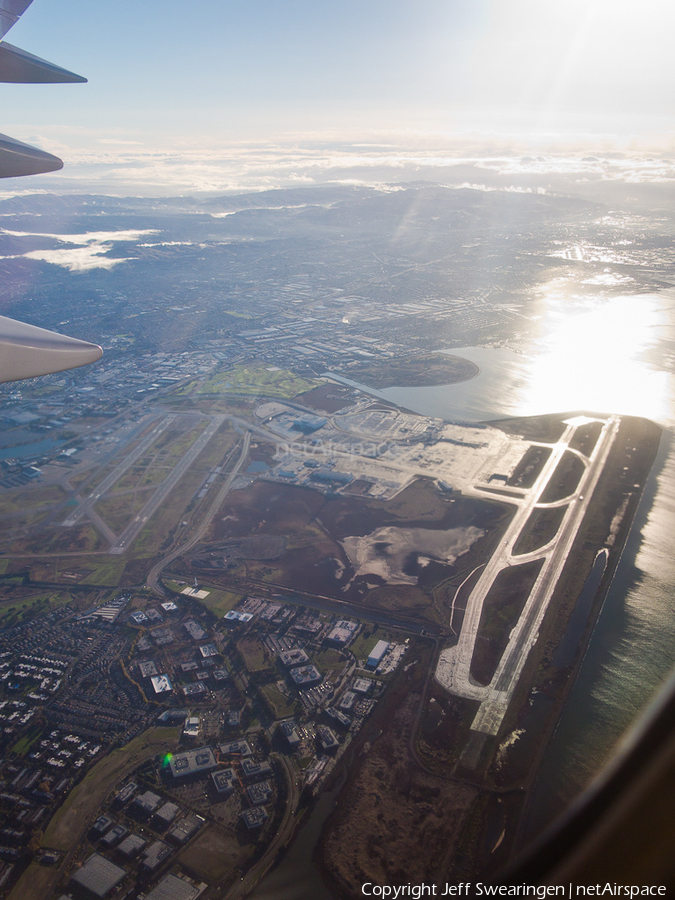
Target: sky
[{"x": 222, "y": 82}]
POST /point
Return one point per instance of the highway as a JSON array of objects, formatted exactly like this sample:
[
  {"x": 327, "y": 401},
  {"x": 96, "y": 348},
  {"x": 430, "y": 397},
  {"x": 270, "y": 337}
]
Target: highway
[{"x": 454, "y": 666}]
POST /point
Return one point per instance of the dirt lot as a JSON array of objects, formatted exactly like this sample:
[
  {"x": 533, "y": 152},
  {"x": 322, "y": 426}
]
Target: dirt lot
[
  {"x": 213, "y": 855},
  {"x": 313, "y": 526},
  {"x": 395, "y": 823}
]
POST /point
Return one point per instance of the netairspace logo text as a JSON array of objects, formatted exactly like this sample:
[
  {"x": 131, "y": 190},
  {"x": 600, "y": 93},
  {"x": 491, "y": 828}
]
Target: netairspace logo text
[{"x": 467, "y": 889}]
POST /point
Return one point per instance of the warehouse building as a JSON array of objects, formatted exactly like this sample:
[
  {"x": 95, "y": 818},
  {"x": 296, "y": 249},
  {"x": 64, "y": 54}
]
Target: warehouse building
[
  {"x": 165, "y": 816},
  {"x": 145, "y": 804},
  {"x": 98, "y": 876},
  {"x": 131, "y": 846},
  {"x": 171, "y": 887},
  {"x": 377, "y": 654}
]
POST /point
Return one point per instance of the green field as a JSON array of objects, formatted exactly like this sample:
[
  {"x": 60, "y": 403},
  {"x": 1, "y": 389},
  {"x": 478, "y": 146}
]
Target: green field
[
  {"x": 108, "y": 574},
  {"x": 256, "y": 657},
  {"x": 369, "y": 636},
  {"x": 329, "y": 659},
  {"x": 31, "y": 498},
  {"x": 220, "y": 602},
  {"x": 23, "y": 746},
  {"x": 75, "y": 815},
  {"x": 258, "y": 380},
  {"x": 281, "y": 707},
  {"x": 24, "y": 606}
]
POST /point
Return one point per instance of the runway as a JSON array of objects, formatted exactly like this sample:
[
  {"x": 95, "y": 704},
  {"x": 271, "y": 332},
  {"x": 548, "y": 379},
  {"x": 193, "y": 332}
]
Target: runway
[{"x": 454, "y": 667}]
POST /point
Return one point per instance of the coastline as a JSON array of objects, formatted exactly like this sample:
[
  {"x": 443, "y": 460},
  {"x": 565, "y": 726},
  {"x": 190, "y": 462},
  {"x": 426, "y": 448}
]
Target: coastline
[
  {"x": 488, "y": 836},
  {"x": 627, "y": 558}
]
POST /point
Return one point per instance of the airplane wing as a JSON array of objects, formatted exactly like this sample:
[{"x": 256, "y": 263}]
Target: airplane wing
[
  {"x": 19, "y": 67},
  {"x": 17, "y": 158},
  {"x": 25, "y": 350},
  {"x": 10, "y": 10}
]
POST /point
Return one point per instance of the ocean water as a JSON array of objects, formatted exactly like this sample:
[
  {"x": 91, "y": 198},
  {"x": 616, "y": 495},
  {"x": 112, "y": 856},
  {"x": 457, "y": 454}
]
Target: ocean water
[
  {"x": 632, "y": 650},
  {"x": 604, "y": 363},
  {"x": 631, "y": 653}
]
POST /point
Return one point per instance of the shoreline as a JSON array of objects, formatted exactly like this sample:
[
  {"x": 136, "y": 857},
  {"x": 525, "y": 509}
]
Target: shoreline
[
  {"x": 644, "y": 506},
  {"x": 545, "y": 679},
  {"x": 470, "y": 856}
]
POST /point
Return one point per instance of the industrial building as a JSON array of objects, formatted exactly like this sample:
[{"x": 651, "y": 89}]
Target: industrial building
[
  {"x": 259, "y": 793},
  {"x": 191, "y": 726},
  {"x": 223, "y": 781},
  {"x": 131, "y": 846},
  {"x": 114, "y": 836},
  {"x": 124, "y": 795},
  {"x": 191, "y": 689},
  {"x": 254, "y": 818},
  {"x": 236, "y": 748},
  {"x": 327, "y": 476},
  {"x": 347, "y": 700},
  {"x": 145, "y": 804},
  {"x": 327, "y": 738},
  {"x": 148, "y": 669},
  {"x": 161, "y": 684},
  {"x": 362, "y": 685},
  {"x": 253, "y": 770},
  {"x": 195, "y": 631},
  {"x": 338, "y": 717},
  {"x": 342, "y": 632},
  {"x": 234, "y": 616},
  {"x": 155, "y": 855},
  {"x": 376, "y": 654},
  {"x": 98, "y": 875},
  {"x": 165, "y": 816},
  {"x": 192, "y": 762},
  {"x": 171, "y": 887},
  {"x": 183, "y": 830},
  {"x": 296, "y": 657},
  {"x": 290, "y": 732},
  {"x": 305, "y": 675},
  {"x": 172, "y": 716},
  {"x": 101, "y": 825}
]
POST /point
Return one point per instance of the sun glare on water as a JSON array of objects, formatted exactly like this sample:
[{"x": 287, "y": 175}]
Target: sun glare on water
[{"x": 593, "y": 358}]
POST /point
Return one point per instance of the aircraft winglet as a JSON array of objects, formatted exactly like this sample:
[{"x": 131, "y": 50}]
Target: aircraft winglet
[{"x": 27, "y": 351}]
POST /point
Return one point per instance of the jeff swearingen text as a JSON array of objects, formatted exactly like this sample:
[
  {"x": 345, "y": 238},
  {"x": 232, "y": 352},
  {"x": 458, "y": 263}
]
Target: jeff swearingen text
[{"x": 479, "y": 889}]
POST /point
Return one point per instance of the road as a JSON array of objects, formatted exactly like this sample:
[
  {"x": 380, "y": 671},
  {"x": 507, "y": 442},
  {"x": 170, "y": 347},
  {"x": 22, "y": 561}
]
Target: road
[
  {"x": 281, "y": 838},
  {"x": 454, "y": 667}
]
